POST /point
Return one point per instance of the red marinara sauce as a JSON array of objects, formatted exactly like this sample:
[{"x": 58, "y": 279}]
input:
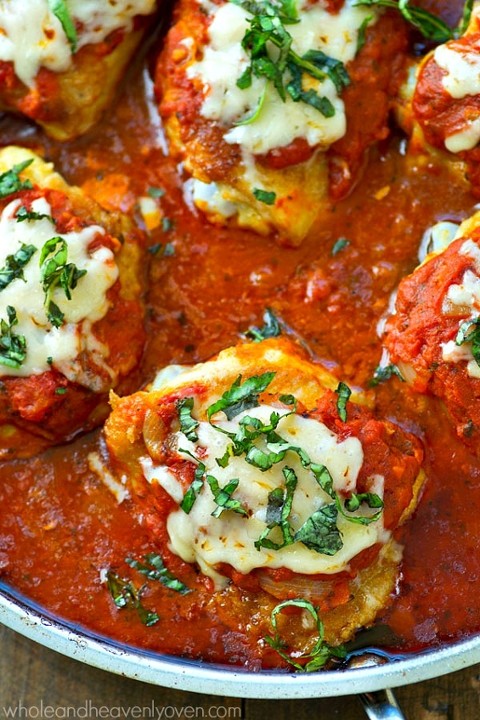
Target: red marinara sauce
[{"x": 60, "y": 528}]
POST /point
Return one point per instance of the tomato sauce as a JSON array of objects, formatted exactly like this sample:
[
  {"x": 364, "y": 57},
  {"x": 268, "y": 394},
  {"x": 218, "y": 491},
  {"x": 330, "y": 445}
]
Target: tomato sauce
[{"x": 60, "y": 528}]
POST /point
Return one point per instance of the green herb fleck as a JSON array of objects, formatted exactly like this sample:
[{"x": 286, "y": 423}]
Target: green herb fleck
[
  {"x": 265, "y": 196},
  {"x": 56, "y": 272},
  {"x": 241, "y": 396},
  {"x": 195, "y": 487},
  {"x": 126, "y": 595},
  {"x": 340, "y": 245},
  {"x": 271, "y": 327},
  {"x": 167, "y": 224},
  {"x": 10, "y": 181},
  {"x": 362, "y": 33},
  {"x": 60, "y": 10},
  {"x": 60, "y": 390},
  {"x": 155, "y": 192},
  {"x": 169, "y": 250},
  {"x": 188, "y": 424},
  {"x": 154, "y": 569},
  {"x": 431, "y": 26},
  {"x": 14, "y": 265},
  {"x": 321, "y": 652},
  {"x": 320, "y": 532},
  {"x": 23, "y": 214},
  {"x": 384, "y": 373},
  {"x": 13, "y": 347},
  {"x": 469, "y": 332},
  {"x": 223, "y": 497},
  {"x": 343, "y": 392}
]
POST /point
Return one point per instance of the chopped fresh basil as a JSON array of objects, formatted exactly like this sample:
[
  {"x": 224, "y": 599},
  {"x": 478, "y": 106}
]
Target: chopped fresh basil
[
  {"x": 362, "y": 33},
  {"x": 384, "y": 373},
  {"x": 343, "y": 392},
  {"x": 241, "y": 396},
  {"x": 270, "y": 329},
  {"x": 278, "y": 512},
  {"x": 167, "y": 224},
  {"x": 10, "y": 181},
  {"x": 60, "y": 391},
  {"x": 320, "y": 532},
  {"x": 60, "y": 10},
  {"x": 154, "y": 569},
  {"x": 14, "y": 265},
  {"x": 192, "y": 492},
  {"x": 321, "y": 652},
  {"x": 223, "y": 497},
  {"x": 268, "y": 44},
  {"x": 469, "y": 332},
  {"x": 465, "y": 19},
  {"x": 13, "y": 347},
  {"x": 431, "y": 26},
  {"x": 155, "y": 192},
  {"x": 354, "y": 502},
  {"x": 265, "y": 196},
  {"x": 126, "y": 595},
  {"x": 169, "y": 250},
  {"x": 155, "y": 249},
  {"x": 188, "y": 424},
  {"x": 56, "y": 272},
  {"x": 340, "y": 245},
  {"x": 23, "y": 214}
]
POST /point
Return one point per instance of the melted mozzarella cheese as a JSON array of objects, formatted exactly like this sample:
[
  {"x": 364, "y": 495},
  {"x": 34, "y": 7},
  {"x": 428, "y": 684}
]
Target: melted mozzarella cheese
[
  {"x": 462, "y": 71},
  {"x": 199, "y": 537},
  {"x": 31, "y": 36},
  {"x": 88, "y": 304},
  {"x": 465, "y": 139},
  {"x": 278, "y": 123},
  {"x": 461, "y": 298}
]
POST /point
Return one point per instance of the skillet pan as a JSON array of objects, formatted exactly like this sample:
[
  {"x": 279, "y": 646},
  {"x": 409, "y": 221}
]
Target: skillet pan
[{"x": 368, "y": 672}]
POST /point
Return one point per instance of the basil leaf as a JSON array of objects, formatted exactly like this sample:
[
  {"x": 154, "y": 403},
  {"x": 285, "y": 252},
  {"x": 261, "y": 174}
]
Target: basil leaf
[
  {"x": 343, "y": 392},
  {"x": 320, "y": 531},
  {"x": 155, "y": 569},
  {"x": 469, "y": 332},
  {"x": 271, "y": 327},
  {"x": 362, "y": 33},
  {"x": 56, "y": 272},
  {"x": 340, "y": 245},
  {"x": 241, "y": 396},
  {"x": 195, "y": 487},
  {"x": 355, "y": 501},
  {"x": 321, "y": 652},
  {"x": 60, "y": 10},
  {"x": 126, "y": 595},
  {"x": 14, "y": 264},
  {"x": 382, "y": 374},
  {"x": 223, "y": 497},
  {"x": 23, "y": 214},
  {"x": 264, "y": 196},
  {"x": 431, "y": 26},
  {"x": 13, "y": 347},
  {"x": 465, "y": 19},
  {"x": 188, "y": 424},
  {"x": 10, "y": 181},
  {"x": 279, "y": 507}
]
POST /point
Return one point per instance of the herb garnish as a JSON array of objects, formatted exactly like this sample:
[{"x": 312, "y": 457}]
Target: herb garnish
[
  {"x": 60, "y": 10},
  {"x": 223, "y": 497},
  {"x": 241, "y": 396},
  {"x": 271, "y": 327},
  {"x": 56, "y": 272},
  {"x": 278, "y": 511},
  {"x": 13, "y": 347},
  {"x": 431, "y": 26},
  {"x": 384, "y": 373},
  {"x": 154, "y": 569},
  {"x": 155, "y": 192},
  {"x": 285, "y": 69},
  {"x": 321, "y": 652},
  {"x": 195, "y": 487},
  {"x": 24, "y": 214},
  {"x": 340, "y": 245},
  {"x": 343, "y": 392},
  {"x": 469, "y": 332},
  {"x": 188, "y": 424},
  {"x": 10, "y": 181},
  {"x": 126, "y": 595},
  {"x": 265, "y": 196},
  {"x": 14, "y": 265}
]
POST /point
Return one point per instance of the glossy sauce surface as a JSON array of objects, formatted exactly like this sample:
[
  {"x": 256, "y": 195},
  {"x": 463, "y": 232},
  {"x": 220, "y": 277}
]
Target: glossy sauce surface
[{"x": 59, "y": 525}]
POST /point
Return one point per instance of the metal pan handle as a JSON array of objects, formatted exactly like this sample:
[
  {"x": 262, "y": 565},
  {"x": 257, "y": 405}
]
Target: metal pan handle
[{"x": 381, "y": 705}]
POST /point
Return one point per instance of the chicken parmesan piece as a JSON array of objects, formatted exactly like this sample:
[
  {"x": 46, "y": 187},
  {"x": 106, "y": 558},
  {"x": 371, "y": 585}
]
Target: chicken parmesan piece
[
  {"x": 252, "y": 468},
  {"x": 434, "y": 336},
  {"x": 61, "y": 62},
  {"x": 69, "y": 276},
  {"x": 272, "y": 133},
  {"x": 440, "y": 103}
]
